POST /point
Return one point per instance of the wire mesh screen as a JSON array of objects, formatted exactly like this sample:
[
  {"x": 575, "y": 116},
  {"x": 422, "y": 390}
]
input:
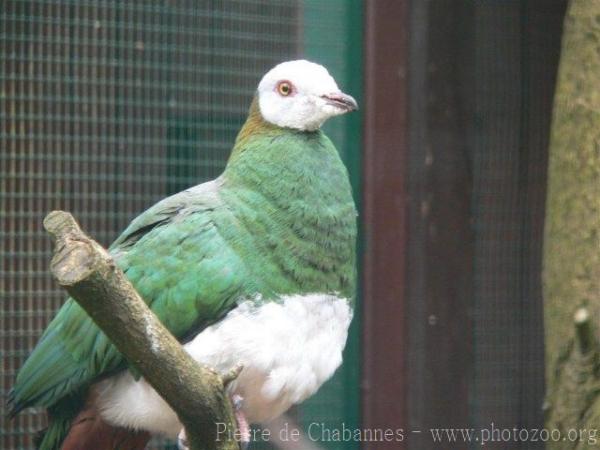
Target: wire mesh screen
[
  {"x": 483, "y": 87},
  {"x": 107, "y": 107},
  {"x": 510, "y": 142}
]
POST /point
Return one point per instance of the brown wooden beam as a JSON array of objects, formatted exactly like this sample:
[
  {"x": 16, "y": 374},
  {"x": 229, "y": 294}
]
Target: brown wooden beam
[
  {"x": 441, "y": 240},
  {"x": 385, "y": 218}
]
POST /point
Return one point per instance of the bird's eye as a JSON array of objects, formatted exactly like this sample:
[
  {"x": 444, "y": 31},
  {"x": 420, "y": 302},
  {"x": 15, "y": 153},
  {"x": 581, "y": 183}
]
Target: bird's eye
[{"x": 284, "y": 88}]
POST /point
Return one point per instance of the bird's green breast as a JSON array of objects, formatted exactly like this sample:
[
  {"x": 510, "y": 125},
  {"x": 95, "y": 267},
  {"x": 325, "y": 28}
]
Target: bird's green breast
[{"x": 293, "y": 204}]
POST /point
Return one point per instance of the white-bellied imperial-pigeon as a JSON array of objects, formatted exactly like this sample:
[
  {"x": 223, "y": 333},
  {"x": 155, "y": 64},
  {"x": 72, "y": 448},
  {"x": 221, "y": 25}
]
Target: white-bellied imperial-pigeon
[{"x": 256, "y": 268}]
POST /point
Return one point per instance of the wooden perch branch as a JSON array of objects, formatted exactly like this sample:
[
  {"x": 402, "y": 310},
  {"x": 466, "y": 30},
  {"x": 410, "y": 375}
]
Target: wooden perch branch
[
  {"x": 88, "y": 273},
  {"x": 584, "y": 331}
]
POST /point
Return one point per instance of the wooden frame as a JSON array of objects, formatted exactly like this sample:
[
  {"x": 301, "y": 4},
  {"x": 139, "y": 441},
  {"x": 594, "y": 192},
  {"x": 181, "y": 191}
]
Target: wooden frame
[{"x": 385, "y": 218}]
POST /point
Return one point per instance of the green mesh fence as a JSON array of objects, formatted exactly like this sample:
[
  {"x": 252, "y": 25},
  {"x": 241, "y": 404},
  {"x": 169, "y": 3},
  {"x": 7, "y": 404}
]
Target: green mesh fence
[{"x": 108, "y": 106}]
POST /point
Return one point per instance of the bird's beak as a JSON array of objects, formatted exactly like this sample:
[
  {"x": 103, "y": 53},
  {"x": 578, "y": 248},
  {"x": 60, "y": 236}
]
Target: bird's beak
[{"x": 341, "y": 100}]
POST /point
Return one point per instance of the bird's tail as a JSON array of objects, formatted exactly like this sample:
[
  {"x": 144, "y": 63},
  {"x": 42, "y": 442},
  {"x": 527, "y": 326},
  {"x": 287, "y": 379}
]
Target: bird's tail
[
  {"x": 51, "y": 437},
  {"x": 80, "y": 426}
]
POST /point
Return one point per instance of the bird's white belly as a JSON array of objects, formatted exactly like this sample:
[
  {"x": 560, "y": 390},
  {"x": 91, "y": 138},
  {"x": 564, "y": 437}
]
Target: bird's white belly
[{"x": 288, "y": 350}]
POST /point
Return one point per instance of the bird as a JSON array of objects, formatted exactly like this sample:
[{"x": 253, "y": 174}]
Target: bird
[{"x": 255, "y": 269}]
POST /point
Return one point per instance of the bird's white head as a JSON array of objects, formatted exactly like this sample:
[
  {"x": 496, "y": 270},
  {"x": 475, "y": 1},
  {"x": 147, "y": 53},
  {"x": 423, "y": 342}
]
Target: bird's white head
[{"x": 301, "y": 95}]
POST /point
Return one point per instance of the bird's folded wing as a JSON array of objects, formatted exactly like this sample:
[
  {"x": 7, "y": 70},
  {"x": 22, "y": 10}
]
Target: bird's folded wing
[{"x": 178, "y": 259}]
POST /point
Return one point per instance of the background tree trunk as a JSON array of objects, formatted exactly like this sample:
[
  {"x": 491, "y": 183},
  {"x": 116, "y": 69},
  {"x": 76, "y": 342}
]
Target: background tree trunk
[{"x": 572, "y": 236}]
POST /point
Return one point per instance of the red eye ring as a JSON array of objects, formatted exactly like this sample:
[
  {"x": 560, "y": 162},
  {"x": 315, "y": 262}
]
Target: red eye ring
[{"x": 284, "y": 88}]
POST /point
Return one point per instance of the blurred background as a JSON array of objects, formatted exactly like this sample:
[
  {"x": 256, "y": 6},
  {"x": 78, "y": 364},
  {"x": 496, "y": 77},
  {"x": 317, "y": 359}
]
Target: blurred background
[{"x": 107, "y": 107}]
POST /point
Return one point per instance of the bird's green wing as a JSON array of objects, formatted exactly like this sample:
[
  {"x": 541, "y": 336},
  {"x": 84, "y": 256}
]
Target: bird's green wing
[{"x": 179, "y": 259}]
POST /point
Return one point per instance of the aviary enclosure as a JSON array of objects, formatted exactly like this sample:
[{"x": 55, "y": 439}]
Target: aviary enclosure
[{"x": 107, "y": 107}]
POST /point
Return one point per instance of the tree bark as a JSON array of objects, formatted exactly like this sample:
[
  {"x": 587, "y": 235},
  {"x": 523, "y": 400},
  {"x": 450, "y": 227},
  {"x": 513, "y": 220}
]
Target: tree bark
[
  {"x": 196, "y": 393},
  {"x": 572, "y": 236}
]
